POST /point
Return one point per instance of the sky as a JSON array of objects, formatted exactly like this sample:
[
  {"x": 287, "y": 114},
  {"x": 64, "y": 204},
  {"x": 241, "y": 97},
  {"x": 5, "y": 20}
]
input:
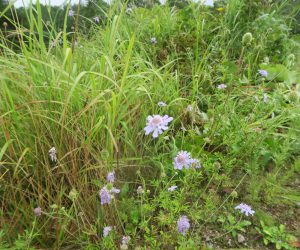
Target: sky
[{"x": 20, "y": 3}]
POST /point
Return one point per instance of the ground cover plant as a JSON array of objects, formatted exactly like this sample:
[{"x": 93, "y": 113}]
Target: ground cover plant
[{"x": 151, "y": 126}]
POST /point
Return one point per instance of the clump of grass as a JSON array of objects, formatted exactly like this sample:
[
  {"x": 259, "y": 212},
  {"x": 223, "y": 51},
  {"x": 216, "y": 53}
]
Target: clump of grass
[{"x": 74, "y": 112}]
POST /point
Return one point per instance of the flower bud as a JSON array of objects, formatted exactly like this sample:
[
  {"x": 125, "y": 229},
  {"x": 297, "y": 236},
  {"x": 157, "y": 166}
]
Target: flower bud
[{"x": 247, "y": 39}]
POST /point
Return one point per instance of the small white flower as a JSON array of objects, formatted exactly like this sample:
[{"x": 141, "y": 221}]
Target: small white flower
[
  {"x": 222, "y": 86},
  {"x": 52, "y": 154},
  {"x": 161, "y": 104},
  {"x": 265, "y": 97},
  {"x": 96, "y": 19},
  {"x": 140, "y": 190},
  {"x": 189, "y": 108},
  {"x": 157, "y": 124},
  {"x": 172, "y": 188}
]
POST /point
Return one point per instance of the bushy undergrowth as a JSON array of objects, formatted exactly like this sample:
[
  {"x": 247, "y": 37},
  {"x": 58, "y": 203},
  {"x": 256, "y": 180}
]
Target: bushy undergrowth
[{"x": 76, "y": 109}]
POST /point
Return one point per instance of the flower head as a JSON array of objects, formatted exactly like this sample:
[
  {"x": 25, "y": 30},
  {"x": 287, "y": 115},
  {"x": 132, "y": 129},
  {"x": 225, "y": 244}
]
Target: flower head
[
  {"x": 71, "y": 13},
  {"x": 106, "y": 231},
  {"x": 52, "y": 154},
  {"x": 125, "y": 240},
  {"x": 37, "y": 211},
  {"x": 140, "y": 190},
  {"x": 161, "y": 104},
  {"x": 263, "y": 73},
  {"x": 245, "y": 209},
  {"x": 153, "y": 40},
  {"x": 96, "y": 19},
  {"x": 189, "y": 108},
  {"x": 195, "y": 163},
  {"x": 183, "y": 225},
  {"x": 183, "y": 159},
  {"x": 172, "y": 188},
  {"x": 105, "y": 196},
  {"x": 222, "y": 86},
  {"x": 111, "y": 177},
  {"x": 265, "y": 97},
  {"x": 157, "y": 124}
]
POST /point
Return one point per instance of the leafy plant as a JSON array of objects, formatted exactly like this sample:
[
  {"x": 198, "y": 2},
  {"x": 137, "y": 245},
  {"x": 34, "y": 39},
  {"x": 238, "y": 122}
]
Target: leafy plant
[
  {"x": 230, "y": 224},
  {"x": 276, "y": 235}
]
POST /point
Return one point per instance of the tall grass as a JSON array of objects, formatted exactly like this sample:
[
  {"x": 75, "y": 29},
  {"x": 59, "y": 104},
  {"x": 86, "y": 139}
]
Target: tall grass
[{"x": 91, "y": 102}]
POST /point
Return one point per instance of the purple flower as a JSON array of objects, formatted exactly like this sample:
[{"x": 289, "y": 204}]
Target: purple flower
[
  {"x": 71, "y": 13},
  {"x": 37, "y": 211},
  {"x": 106, "y": 231},
  {"x": 265, "y": 97},
  {"x": 96, "y": 19},
  {"x": 245, "y": 209},
  {"x": 222, "y": 86},
  {"x": 183, "y": 225},
  {"x": 183, "y": 159},
  {"x": 161, "y": 104},
  {"x": 52, "y": 154},
  {"x": 153, "y": 40},
  {"x": 172, "y": 188},
  {"x": 125, "y": 240},
  {"x": 189, "y": 108},
  {"x": 263, "y": 73},
  {"x": 111, "y": 177},
  {"x": 195, "y": 163},
  {"x": 157, "y": 124},
  {"x": 105, "y": 196}
]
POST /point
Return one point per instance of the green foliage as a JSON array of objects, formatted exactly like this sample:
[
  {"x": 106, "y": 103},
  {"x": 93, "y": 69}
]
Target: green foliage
[
  {"x": 88, "y": 90},
  {"x": 277, "y": 236}
]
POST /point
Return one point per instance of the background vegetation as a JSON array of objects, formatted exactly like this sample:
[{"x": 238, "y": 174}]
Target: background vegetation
[{"x": 86, "y": 88}]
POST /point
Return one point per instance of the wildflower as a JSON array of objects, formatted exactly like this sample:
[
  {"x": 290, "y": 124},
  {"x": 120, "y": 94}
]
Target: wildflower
[
  {"x": 183, "y": 159},
  {"x": 222, "y": 86},
  {"x": 256, "y": 98},
  {"x": 140, "y": 190},
  {"x": 172, "y": 188},
  {"x": 105, "y": 196},
  {"x": 73, "y": 194},
  {"x": 37, "y": 211},
  {"x": 52, "y": 154},
  {"x": 265, "y": 97},
  {"x": 96, "y": 19},
  {"x": 114, "y": 190},
  {"x": 183, "y": 225},
  {"x": 195, "y": 163},
  {"x": 161, "y": 104},
  {"x": 157, "y": 124},
  {"x": 71, "y": 13},
  {"x": 125, "y": 241},
  {"x": 263, "y": 73},
  {"x": 189, "y": 108},
  {"x": 111, "y": 177},
  {"x": 153, "y": 40},
  {"x": 245, "y": 209},
  {"x": 106, "y": 231}
]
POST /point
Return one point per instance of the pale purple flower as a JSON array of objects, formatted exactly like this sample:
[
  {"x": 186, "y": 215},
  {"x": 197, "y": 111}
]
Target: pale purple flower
[
  {"x": 105, "y": 196},
  {"x": 195, "y": 163},
  {"x": 265, "y": 97},
  {"x": 222, "y": 86},
  {"x": 114, "y": 190},
  {"x": 189, "y": 108},
  {"x": 71, "y": 13},
  {"x": 157, "y": 124},
  {"x": 111, "y": 177},
  {"x": 125, "y": 240},
  {"x": 106, "y": 231},
  {"x": 263, "y": 72},
  {"x": 183, "y": 159},
  {"x": 37, "y": 211},
  {"x": 183, "y": 225},
  {"x": 245, "y": 209},
  {"x": 161, "y": 104},
  {"x": 52, "y": 154},
  {"x": 96, "y": 19},
  {"x": 172, "y": 188},
  {"x": 153, "y": 40}
]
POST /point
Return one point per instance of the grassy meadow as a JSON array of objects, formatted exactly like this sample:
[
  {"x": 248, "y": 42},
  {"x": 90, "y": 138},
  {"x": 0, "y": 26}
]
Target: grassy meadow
[{"x": 157, "y": 127}]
